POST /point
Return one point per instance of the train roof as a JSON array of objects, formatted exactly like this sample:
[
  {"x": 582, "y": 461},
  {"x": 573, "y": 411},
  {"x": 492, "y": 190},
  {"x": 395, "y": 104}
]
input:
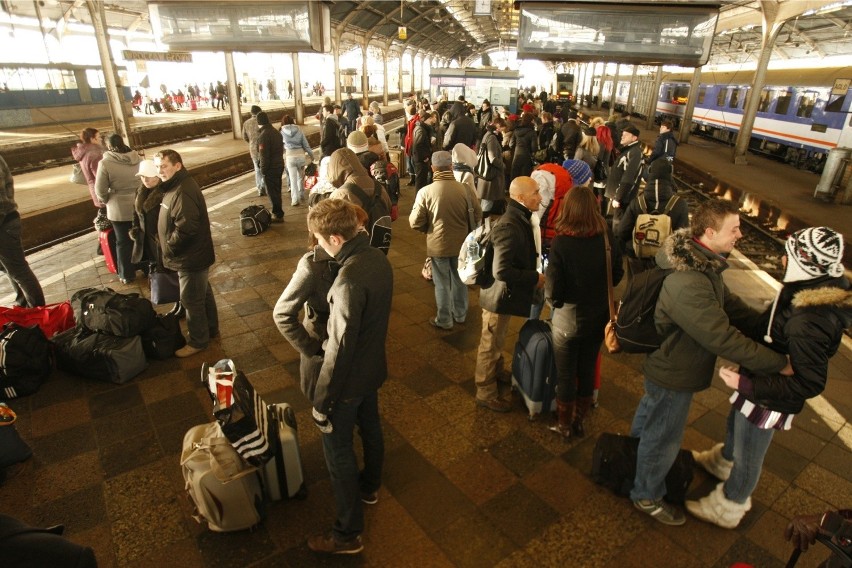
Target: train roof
[{"x": 816, "y": 77}]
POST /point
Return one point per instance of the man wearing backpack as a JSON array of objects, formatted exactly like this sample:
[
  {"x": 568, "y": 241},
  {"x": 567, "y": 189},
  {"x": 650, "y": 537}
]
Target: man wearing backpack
[
  {"x": 658, "y": 196},
  {"x": 697, "y": 318},
  {"x": 515, "y": 281}
]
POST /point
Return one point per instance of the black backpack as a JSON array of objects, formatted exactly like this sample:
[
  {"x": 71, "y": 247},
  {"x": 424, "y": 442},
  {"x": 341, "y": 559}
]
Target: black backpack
[
  {"x": 634, "y": 325},
  {"x": 379, "y": 225},
  {"x": 25, "y": 361},
  {"x": 121, "y": 315},
  {"x": 386, "y": 174}
]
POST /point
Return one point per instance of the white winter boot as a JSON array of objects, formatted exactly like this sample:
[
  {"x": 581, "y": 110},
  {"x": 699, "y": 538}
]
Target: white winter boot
[
  {"x": 718, "y": 509},
  {"x": 713, "y": 462}
]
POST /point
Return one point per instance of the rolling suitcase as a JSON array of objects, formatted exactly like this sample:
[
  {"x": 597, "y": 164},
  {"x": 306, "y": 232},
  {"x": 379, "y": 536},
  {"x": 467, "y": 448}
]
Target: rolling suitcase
[
  {"x": 193, "y": 105},
  {"x": 283, "y": 475},
  {"x": 534, "y": 367},
  {"x": 107, "y": 241},
  {"x": 224, "y": 488}
]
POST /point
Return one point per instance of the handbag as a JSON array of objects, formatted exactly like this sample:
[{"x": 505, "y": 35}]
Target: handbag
[
  {"x": 426, "y": 272},
  {"x": 101, "y": 222},
  {"x": 541, "y": 156},
  {"x": 610, "y": 339},
  {"x": 484, "y": 170},
  {"x": 165, "y": 287},
  {"x": 77, "y": 175}
]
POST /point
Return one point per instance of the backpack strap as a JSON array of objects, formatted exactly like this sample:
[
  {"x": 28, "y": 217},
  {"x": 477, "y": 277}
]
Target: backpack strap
[
  {"x": 642, "y": 205},
  {"x": 360, "y": 194},
  {"x": 672, "y": 201}
]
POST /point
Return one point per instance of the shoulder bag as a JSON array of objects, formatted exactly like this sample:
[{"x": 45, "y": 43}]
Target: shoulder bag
[{"x": 610, "y": 339}]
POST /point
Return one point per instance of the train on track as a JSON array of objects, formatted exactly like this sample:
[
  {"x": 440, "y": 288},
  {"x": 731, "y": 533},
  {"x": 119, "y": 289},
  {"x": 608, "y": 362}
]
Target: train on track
[{"x": 801, "y": 116}]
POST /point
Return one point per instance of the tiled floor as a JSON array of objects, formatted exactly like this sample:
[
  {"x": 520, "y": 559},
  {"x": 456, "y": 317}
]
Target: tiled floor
[{"x": 463, "y": 486}]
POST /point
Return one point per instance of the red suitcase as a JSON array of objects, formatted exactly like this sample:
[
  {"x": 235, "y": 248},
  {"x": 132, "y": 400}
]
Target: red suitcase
[
  {"x": 107, "y": 240},
  {"x": 193, "y": 105}
]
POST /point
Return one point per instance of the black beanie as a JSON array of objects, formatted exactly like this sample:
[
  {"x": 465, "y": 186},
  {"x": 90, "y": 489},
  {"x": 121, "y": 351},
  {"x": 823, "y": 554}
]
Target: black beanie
[{"x": 262, "y": 119}]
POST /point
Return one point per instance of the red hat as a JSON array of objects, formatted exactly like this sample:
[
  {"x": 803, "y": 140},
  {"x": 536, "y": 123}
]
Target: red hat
[
  {"x": 513, "y": 117},
  {"x": 528, "y": 108}
]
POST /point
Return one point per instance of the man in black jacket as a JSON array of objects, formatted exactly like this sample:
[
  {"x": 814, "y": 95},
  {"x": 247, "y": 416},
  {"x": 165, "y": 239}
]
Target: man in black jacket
[
  {"x": 623, "y": 181},
  {"x": 270, "y": 149},
  {"x": 184, "y": 231},
  {"x": 515, "y": 281},
  {"x": 354, "y": 366},
  {"x": 666, "y": 145},
  {"x": 421, "y": 147},
  {"x": 572, "y": 135},
  {"x": 462, "y": 128},
  {"x": 330, "y": 139}
]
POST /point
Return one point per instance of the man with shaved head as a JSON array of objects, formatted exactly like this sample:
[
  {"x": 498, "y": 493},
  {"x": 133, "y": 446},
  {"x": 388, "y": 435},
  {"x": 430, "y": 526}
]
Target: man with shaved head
[{"x": 515, "y": 281}]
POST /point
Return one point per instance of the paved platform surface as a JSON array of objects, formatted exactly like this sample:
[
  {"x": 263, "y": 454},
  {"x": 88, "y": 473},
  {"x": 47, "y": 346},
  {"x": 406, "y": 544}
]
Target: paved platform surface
[{"x": 463, "y": 486}]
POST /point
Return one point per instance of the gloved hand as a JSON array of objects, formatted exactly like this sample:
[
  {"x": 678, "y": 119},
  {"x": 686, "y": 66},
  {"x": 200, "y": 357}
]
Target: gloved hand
[
  {"x": 802, "y": 530},
  {"x": 616, "y": 204},
  {"x": 322, "y": 422}
]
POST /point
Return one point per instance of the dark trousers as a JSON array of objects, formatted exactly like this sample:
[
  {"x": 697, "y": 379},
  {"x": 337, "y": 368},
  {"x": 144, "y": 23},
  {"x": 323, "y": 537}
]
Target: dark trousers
[
  {"x": 13, "y": 262},
  {"x": 576, "y": 358},
  {"x": 124, "y": 250},
  {"x": 347, "y": 482},
  {"x": 421, "y": 174},
  {"x": 272, "y": 180}
]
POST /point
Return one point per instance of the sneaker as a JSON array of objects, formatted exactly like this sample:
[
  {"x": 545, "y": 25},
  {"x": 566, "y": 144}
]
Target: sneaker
[
  {"x": 330, "y": 545},
  {"x": 495, "y": 404},
  {"x": 664, "y": 512},
  {"x": 434, "y": 322},
  {"x": 370, "y": 498},
  {"x": 188, "y": 351},
  {"x": 278, "y": 219}
]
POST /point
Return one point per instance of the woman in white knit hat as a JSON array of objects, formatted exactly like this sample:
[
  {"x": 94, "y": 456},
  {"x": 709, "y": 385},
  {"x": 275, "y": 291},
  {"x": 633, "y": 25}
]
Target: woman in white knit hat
[{"x": 806, "y": 321}]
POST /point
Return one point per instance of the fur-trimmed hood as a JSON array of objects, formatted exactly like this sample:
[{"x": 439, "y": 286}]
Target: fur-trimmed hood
[
  {"x": 680, "y": 252},
  {"x": 827, "y": 296}
]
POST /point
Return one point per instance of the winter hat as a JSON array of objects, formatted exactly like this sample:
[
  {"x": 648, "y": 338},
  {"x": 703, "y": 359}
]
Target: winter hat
[
  {"x": 262, "y": 119},
  {"x": 464, "y": 154},
  {"x": 528, "y": 108},
  {"x": 147, "y": 169},
  {"x": 442, "y": 159},
  {"x": 255, "y": 109},
  {"x": 579, "y": 171},
  {"x": 660, "y": 169},
  {"x": 814, "y": 252},
  {"x": 632, "y": 130},
  {"x": 546, "y": 187},
  {"x": 357, "y": 142}
]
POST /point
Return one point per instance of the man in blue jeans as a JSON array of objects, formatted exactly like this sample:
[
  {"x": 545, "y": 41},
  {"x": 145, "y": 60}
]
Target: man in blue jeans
[
  {"x": 354, "y": 366},
  {"x": 698, "y": 318}
]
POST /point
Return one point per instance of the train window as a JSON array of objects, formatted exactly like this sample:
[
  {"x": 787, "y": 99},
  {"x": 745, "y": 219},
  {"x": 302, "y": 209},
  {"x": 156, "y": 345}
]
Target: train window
[
  {"x": 735, "y": 98},
  {"x": 783, "y": 104},
  {"x": 806, "y": 104},
  {"x": 680, "y": 95},
  {"x": 701, "y": 92},
  {"x": 766, "y": 98},
  {"x": 721, "y": 96},
  {"x": 836, "y": 105}
]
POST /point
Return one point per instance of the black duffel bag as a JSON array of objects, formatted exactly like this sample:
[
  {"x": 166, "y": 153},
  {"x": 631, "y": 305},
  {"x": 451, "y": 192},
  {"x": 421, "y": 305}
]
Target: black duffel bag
[
  {"x": 122, "y": 315},
  {"x": 99, "y": 356},
  {"x": 254, "y": 219},
  {"x": 164, "y": 338},
  {"x": 614, "y": 466},
  {"x": 25, "y": 361}
]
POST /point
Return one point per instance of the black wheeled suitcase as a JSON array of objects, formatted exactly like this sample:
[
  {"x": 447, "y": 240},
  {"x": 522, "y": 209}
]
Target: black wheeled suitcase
[
  {"x": 534, "y": 367},
  {"x": 614, "y": 466},
  {"x": 283, "y": 475}
]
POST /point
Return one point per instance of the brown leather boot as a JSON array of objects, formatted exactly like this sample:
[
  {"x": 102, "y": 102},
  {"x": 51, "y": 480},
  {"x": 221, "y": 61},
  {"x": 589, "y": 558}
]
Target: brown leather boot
[
  {"x": 584, "y": 403},
  {"x": 564, "y": 416}
]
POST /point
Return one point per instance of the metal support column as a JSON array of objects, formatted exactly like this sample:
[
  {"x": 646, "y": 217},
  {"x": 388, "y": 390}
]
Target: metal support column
[
  {"x": 338, "y": 88},
  {"x": 115, "y": 100},
  {"x": 399, "y": 82},
  {"x": 600, "y": 86},
  {"x": 692, "y": 98},
  {"x": 631, "y": 89},
  {"x": 385, "y": 99},
  {"x": 233, "y": 97},
  {"x": 770, "y": 31},
  {"x": 365, "y": 80},
  {"x": 651, "y": 111},
  {"x": 297, "y": 81},
  {"x": 614, "y": 92}
]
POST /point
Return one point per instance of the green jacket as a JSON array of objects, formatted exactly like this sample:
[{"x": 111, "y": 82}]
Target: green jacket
[{"x": 700, "y": 320}]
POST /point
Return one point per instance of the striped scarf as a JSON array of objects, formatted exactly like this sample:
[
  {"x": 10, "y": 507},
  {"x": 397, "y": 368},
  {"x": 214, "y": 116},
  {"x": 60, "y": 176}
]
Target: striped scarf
[{"x": 761, "y": 416}]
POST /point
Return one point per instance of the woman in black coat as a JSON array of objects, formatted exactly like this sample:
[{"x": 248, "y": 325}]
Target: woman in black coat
[
  {"x": 576, "y": 285},
  {"x": 525, "y": 145}
]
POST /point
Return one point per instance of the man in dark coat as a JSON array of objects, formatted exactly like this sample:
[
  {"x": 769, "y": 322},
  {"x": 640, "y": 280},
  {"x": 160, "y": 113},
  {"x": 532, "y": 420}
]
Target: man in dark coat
[
  {"x": 330, "y": 138},
  {"x": 270, "y": 150},
  {"x": 623, "y": 181},
  {"x": 421, "y": 147},
  {"x": 666, "y": 145},
  {"x": 515, "y": 281},
  {"x": 462, "y": 128},
  {"x": 352, "y": 110},
  {"x": 354, "y": 367},
  {"x": 184, "y": 231},
  {"x": 572, "y": 135}
]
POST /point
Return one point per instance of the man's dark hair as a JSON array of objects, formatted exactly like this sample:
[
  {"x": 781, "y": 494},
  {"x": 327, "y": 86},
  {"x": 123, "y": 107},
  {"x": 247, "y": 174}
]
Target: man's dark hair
[
  {"x": 711, "y": 214},
  {"x": 668, "y": 124},
  {"x": 116, "y": 143},
  {"x": 170, "y": 155},
  {"x": 287, "y": 120},
  {"x": 329, "y": 108}
]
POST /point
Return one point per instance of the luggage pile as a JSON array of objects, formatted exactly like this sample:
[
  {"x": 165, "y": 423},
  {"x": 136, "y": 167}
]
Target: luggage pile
[
  {"x": 114, "y": 336},
  {"x": 248, "y": 457}
]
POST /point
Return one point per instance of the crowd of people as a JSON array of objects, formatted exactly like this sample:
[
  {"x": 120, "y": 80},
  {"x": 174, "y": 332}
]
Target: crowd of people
[{"x": 560, "y": 201}]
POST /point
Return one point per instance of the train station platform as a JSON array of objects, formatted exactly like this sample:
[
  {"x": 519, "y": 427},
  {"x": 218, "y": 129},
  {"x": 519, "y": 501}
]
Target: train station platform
[{"x": 463, "y": 486}]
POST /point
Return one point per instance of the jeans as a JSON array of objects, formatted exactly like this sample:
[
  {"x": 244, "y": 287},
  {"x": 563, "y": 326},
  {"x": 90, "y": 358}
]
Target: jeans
[
  {"x": 746, "y": 445},
  {"x": 124, "y": 250},
  {"x": 296, "y": 173},
  {"x": 14, "y": 263},
  {"x": 347, "y": 482},
  {"x": 576, "y": 360},
  {"x": 450, "y": 291},
  {"x": 258, "y": 177},
  {"x": 272, "y": 179},
  {"x": 489, "y": 356},
  {"x": 202, "y": 316},
  {"x": 659, "y": 421}
]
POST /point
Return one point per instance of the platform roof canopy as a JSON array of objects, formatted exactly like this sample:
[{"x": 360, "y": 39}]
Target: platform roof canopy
[{"x": 448, "y": 30}]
